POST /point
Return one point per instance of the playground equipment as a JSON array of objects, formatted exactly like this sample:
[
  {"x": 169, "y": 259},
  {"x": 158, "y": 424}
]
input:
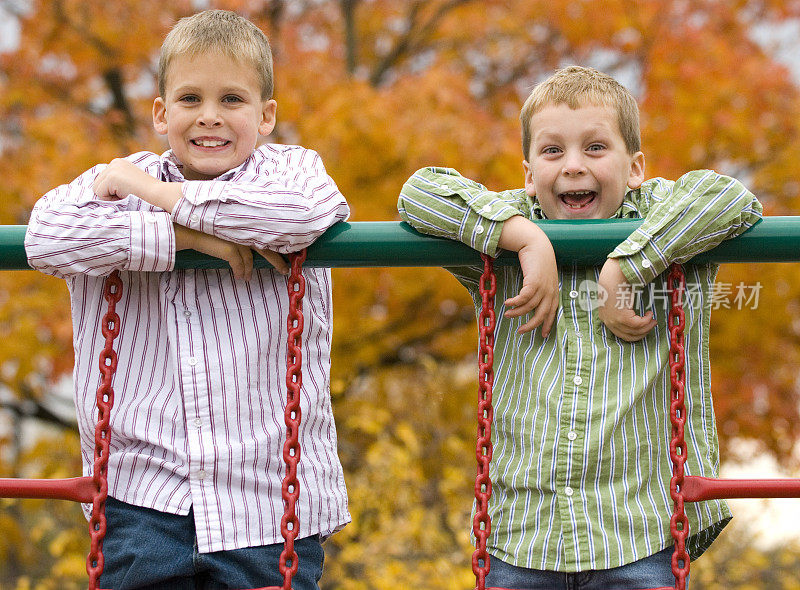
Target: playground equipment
[{"x": 587, "y": 242}]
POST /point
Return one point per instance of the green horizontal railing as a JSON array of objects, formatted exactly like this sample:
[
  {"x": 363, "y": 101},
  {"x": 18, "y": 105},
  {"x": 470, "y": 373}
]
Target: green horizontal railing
[{"x": 391, "y": 243}]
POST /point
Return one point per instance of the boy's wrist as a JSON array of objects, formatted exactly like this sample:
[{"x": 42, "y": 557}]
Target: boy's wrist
[
  {"x": 163, "y": 195},
  {"x": 519, "y": 232},
  {"x": 184, "y": 237}
]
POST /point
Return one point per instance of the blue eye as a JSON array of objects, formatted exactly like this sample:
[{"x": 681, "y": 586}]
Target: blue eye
[
  {"x": 189, "y": 98},
  {"x": 232, "y": 98},
  {"x": 596, "y": 147},
  {"x": 551, "y": 150}
]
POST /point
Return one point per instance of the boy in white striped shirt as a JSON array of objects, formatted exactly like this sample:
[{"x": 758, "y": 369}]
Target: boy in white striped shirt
[
  {"x": 581, "y": 464},
  {"x": 197, "y": 432}
]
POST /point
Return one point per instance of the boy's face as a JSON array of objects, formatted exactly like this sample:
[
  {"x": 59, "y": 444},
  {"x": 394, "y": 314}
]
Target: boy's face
[
  {"x": 579, "y": 166},
  {"x": 212, "y": 113}
]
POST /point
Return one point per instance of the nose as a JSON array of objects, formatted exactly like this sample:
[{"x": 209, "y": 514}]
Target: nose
[
  {"x": 573, "y": 163},
  {"x": 208, "y": 116}
]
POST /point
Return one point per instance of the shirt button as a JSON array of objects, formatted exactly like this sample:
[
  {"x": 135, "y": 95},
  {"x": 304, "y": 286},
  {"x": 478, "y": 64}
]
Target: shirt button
[
  {"x": 187, "y": 313},
  {"x": 567, "y": 490},
  {"x": 192, "y": 361},
  {"x": 479, "y": 229},
  {"x": 202, "y": 475},
  {"x": 486, "y": 208},
  {"x": 444, "y": 187},
  {"x": 572, "y": 435},
  {"x": 577, "y": 380},
  {"x": 198, "y": 422},
  {"x": 194, "y": 218},
  {"x": 573, "y": 294},
  {"x": 646, "y": 264}
]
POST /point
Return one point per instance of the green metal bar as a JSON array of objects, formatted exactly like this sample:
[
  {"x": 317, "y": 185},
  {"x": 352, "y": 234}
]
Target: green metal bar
[{"x": 391, "y": 243}]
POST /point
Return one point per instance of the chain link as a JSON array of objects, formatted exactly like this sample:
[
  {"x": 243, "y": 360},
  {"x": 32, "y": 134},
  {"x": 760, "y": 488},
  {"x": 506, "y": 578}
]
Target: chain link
[
  {"x": 112, "y": 293},
  {"x": 481, "y": 524},
  {"x": 291, "y": 449},
  {"x": 679, "y": 524}
]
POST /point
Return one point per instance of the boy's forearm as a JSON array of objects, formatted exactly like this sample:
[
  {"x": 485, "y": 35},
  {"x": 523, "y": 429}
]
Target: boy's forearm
[
  {"x": 163, "y": 195},
  {"x": 518, "y": 232},
  {"x": 184, "y": 237}
]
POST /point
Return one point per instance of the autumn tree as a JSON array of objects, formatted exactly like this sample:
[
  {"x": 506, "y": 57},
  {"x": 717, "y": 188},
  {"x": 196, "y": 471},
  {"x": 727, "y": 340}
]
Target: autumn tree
[{"x": 380, "y": 89}]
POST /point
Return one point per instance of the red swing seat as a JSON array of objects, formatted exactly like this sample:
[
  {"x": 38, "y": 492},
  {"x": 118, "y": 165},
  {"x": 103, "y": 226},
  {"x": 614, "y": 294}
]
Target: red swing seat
[{"x": 682, "y": 488}]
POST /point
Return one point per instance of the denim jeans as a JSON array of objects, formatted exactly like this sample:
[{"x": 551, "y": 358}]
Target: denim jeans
[
  {"x": 651, "y": 572},
  {"x": 150, "y": 550}
]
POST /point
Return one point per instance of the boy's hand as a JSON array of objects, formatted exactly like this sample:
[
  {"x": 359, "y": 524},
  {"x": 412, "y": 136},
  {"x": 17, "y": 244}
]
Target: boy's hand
[
  {"x": 122, "y": 178},
  {"x": 539, "y": 274},
  {"x": 616, "y": 309},
  {"x": 239, "y": 257},
  {"x": 275, "y": 259}
]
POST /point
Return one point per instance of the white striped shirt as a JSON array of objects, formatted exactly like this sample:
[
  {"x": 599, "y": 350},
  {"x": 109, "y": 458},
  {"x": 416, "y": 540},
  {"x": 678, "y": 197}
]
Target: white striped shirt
[
  {"x": 200, "y": 385},
  {"x": 581, "y": 432}
]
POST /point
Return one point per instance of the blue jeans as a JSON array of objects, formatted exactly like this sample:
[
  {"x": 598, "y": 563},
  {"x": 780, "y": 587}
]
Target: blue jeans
[
  {"x": 651, "y": 572},
  {"x": 150, "y": 550}
]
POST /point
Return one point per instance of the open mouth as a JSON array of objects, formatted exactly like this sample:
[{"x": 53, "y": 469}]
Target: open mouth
[
  {"x": 577, "y": 199},
  {"x": 209, "y": 143}
]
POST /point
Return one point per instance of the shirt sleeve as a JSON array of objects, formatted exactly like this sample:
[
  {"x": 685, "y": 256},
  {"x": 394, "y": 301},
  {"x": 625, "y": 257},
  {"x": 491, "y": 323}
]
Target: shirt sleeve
[
  {"x": 283, "y": 210},
  {"x": 684, "y": 218},
  {"x": 72, "y": 232},
  {"x": 441, "y": 202}
]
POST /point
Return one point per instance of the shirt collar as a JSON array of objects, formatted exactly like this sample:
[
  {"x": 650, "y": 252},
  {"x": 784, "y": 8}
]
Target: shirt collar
[{"x": 172, "y": 169}]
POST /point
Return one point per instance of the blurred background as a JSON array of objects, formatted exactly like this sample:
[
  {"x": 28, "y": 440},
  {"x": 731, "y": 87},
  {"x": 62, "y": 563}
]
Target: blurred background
[{"x": 381, "y": 88}]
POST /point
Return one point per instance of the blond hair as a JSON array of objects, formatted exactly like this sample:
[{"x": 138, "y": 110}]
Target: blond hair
[
  {"x": 577, "y": 86},
  {"x": 222, "y": 31}
]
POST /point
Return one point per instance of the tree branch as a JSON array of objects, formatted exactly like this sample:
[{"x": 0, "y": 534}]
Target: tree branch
[
  {"x": 114, "y": 81},
  {"x": 412, "y": 39},
  {"x": 32, "y": 409},
  {"x": 350, "y": 35}
]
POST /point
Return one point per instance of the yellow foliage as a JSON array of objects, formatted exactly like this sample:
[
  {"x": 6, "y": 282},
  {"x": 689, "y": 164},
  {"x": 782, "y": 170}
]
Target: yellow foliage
[
  {"x": 736, "y": 562},
  {"x": 70, "y": 566}
]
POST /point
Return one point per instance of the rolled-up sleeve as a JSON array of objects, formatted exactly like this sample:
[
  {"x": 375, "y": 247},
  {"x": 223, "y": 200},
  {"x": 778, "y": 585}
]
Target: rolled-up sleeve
[
  {"x": 441, "y": 202},
  {"x": 283, "y": 209},
  {"x": 686, "y": 217},
  {"x": 72, "y": 232}
]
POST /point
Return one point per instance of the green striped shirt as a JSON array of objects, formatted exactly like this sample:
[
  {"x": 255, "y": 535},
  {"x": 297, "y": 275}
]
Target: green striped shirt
[{"x": 581, "y": 464}]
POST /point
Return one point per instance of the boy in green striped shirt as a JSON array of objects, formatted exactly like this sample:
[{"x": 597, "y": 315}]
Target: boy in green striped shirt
[{"x": 581, "y": 464}]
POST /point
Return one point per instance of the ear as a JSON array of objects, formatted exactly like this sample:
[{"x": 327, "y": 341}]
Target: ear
[
  {"x": 268, "y": 114},
  {"x": 160, "y": 116},
  {"x": 530, "y": 187},
  {"x": 636, "y": 175}
]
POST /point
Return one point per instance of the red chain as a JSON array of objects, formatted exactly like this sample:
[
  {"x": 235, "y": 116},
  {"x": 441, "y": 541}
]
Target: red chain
[
  {"x": 102, "y": 433},
  {"x": 679, "y": 524},
  {"x": 291, "y": 448},
  {"x": 481, "y": 523}
]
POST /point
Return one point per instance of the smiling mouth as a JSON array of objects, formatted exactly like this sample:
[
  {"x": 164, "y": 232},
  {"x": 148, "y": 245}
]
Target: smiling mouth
[
  {"x": 577, "y": 199},
  {"x": 209, "y": 143}
]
